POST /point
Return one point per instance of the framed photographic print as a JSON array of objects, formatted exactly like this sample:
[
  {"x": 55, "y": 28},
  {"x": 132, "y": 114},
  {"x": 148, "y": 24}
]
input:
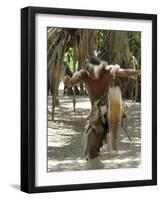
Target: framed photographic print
[{"x": 88, "y": 99}]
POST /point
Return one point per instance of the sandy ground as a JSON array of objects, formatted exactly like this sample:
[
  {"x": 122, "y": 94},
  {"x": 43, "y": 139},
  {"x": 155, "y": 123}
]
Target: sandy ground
[{"x": 65, "y": 137}]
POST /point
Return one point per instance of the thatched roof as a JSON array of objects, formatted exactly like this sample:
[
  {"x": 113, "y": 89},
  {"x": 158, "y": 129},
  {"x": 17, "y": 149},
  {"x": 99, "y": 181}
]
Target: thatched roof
[{"x": 83, "y": 41}]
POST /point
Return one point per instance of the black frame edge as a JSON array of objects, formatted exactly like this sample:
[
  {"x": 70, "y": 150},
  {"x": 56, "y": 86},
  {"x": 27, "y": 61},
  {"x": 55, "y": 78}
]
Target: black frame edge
[
  {"x": 27, "y": 101},
  {"x": 154, "y": 99},
  {"x": 92, "y": 13},
  {"x": 93, "y": 186},
  {"x": 24, "y": 100}
]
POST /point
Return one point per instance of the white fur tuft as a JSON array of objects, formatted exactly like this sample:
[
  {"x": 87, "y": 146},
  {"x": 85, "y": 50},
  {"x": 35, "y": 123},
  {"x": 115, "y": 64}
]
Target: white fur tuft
[
  {"x": 114, "y": 115},
  {"x": 97, "y": 71},
  {"x": 115, "y": 103},
  {"x": 114, "y": 69}
]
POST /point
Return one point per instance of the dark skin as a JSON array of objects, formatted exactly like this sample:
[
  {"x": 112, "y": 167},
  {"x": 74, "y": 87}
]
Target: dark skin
[{"x": 96, "y": 88}]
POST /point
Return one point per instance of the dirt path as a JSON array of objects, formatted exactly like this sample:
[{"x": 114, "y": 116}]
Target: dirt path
[{"x": 65, "y": 135}]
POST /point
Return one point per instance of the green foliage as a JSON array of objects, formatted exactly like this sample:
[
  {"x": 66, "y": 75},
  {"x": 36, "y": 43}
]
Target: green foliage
[
  {"x": 68, "y": 58},
  {"x": 112, "y": 46},
  {"x": 75, "y": 45},
  {"x": 134, "y": 39},
  {"x": 118, "y": 46}
]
